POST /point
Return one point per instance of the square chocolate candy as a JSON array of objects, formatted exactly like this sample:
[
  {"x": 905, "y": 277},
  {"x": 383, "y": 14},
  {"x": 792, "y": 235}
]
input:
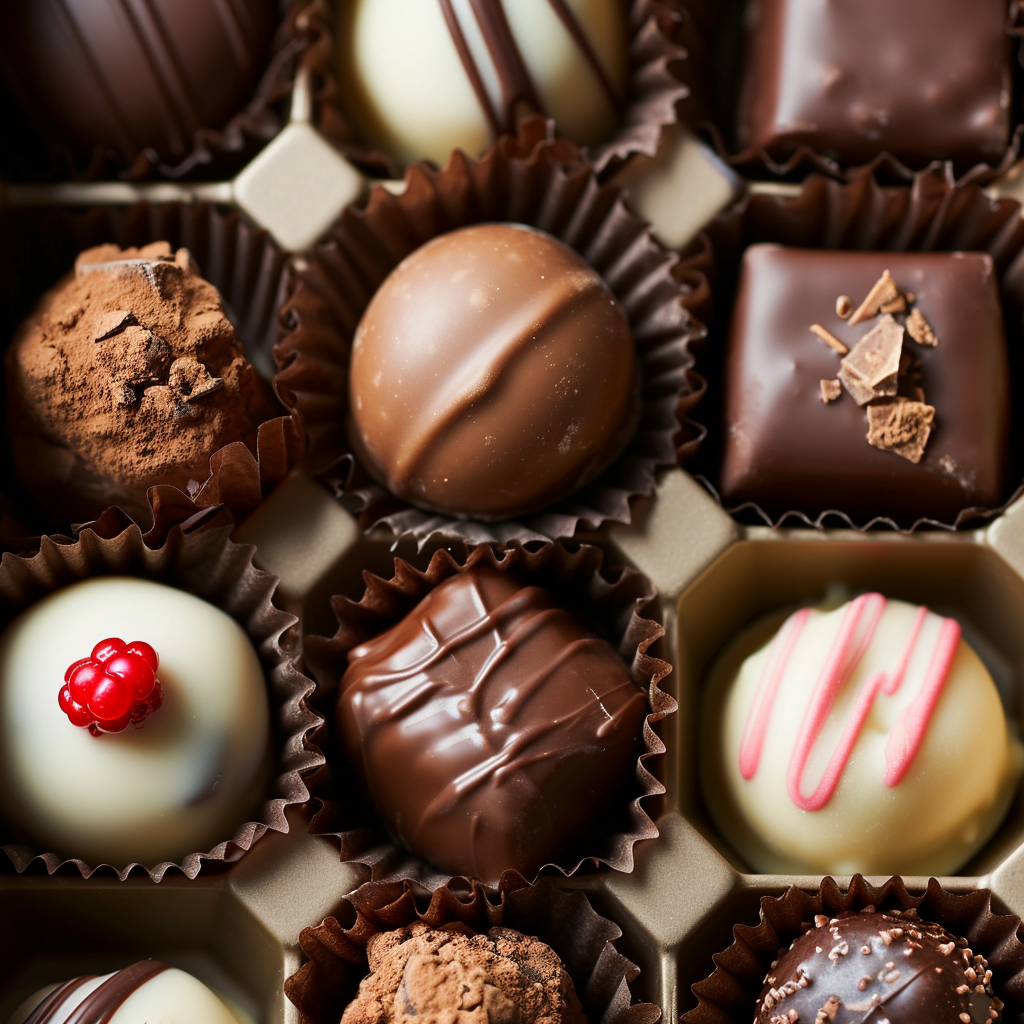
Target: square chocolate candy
[
  {"x": 921, "y": 79},
  {"x": 787, "y": 449}
]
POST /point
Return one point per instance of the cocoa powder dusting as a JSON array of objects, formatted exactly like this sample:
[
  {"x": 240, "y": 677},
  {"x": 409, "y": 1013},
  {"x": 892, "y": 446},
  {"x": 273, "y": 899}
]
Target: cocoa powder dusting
[
  {"x": 449, "y": 975},
  {"x": 127, "y": 374}
]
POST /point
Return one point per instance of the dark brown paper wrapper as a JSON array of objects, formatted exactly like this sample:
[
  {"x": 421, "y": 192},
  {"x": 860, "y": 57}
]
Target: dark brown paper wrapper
[
  {"x": 530, "y": 180},
  {"x": 931, "y": 215},
  {"x": 585, "y": 942},
  {"x": 620, "y": 603},
  {"x": 712, "y": 76},
  {"x": 190, "y": 548},
  {"x": 240, "y": 260},
  {"x": 217, "y": 152},
  {"x": 662, "y": 38},
  {"x": 730, "y": 994}
]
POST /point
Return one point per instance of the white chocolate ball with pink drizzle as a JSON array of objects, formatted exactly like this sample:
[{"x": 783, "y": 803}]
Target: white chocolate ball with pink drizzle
[{"x": 869, "y": 738}]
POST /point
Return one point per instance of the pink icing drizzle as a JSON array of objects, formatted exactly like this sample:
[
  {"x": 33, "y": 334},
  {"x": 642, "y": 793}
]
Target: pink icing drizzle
[{"x": 856, "y": 631}]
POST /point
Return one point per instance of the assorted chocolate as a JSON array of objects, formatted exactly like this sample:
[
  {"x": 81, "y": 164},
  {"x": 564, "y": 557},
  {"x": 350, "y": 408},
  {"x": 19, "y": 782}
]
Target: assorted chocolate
[
  {"x": 127, "y": 374},
  {"x": 921, "y": 80},
  {"x": 423, "y": 79},
  {"x": 448, "y": 972},
  {"x": 145, "y": 991},
  {"x": 870, "y": 964},
  {"x": 491, "y": 729},
  {"x": 492, "y": 374},
  {"x": 130, "y": 79},
  {"x": 928, "y": 360},
  {"x": 874, "y": 718}
]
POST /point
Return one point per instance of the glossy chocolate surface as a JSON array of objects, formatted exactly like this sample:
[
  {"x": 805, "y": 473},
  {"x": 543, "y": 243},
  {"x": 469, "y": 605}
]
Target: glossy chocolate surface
[
  {"x": 490, "y": 727},
  {"x": 874, "y": 967},
  {"x": 784, "y": 449},
  {"x": 921, "y": 79},
  {"x": 492, "y": 374},
  {"x": 127, "y": 75}
]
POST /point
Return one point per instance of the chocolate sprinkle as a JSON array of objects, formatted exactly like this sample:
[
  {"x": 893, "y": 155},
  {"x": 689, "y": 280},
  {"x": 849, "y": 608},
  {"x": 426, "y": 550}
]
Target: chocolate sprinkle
[
  {"x": 871, "y": 368},
  {"x": 901, "y": 426},
  {"x": 920, "y": 330},
  {"x": 883, "y": 292}
]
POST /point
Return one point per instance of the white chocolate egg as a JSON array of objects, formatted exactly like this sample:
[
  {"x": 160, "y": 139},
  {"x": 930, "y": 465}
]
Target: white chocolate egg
[
  {"x": 180, "y": 783},
  {"x": 408, "y": 70},
  {"x": 869, "y": 738}
]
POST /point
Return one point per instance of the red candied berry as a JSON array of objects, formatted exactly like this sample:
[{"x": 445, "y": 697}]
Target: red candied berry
[{"x": 112, "y": 688}]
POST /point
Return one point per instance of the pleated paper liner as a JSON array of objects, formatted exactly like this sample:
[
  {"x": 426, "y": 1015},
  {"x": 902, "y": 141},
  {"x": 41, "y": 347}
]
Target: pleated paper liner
[
  {"x": 335, "y": 951},
  {"x": 214, "y": 152},
  {"x": 729, "y": 995},
  {"x": 712, "y": 76},
  {"x": 248, "y": 270},
  {"x": 661, "y": 40},
  {"x": 188, "y": 547},
  {"x": 619, "y": 604},
  {"x": 929, "y": 216},
  {"x": 529, "y": 180}
]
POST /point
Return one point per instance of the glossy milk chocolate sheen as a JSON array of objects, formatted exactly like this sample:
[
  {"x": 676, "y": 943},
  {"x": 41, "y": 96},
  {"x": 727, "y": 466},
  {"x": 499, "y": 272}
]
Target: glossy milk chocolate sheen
[
  {"x": 492, "y": 374},
  {"x": 921, "y": 79},
  {"x": 490, "y": 727},
  {"x": 785, "y": 449}
]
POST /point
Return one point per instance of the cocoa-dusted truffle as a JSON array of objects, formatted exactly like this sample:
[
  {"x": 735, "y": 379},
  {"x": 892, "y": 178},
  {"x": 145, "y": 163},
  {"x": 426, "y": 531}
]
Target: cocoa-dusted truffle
[
  {"x": 420, "y": 974},
  {"x": 878, "y": 965},
  {"x": 490, "y": 726},
  {"x": 129, "y": 77},
  {"x": 127, "y": 374},
  {"x": 492, "y": 374}
]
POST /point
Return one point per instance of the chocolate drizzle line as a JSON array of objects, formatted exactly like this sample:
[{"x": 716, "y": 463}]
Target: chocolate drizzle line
[
  {"x": 100, "y": 1005},
  {"x": 517, "y": 87}
]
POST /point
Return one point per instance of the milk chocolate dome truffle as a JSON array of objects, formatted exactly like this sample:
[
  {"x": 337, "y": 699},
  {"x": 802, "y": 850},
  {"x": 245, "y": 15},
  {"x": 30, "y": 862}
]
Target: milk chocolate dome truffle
[
  {"x": 126, "y": 375},
  {"x": 492, "y": 374},
  {"x": 867, "y": 965}
]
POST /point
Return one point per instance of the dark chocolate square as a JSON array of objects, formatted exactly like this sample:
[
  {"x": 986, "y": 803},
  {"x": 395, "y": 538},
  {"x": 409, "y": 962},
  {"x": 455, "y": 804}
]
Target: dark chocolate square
[
  {"x": 921, "y": 79},
  {"x": 785, "y": 449}
]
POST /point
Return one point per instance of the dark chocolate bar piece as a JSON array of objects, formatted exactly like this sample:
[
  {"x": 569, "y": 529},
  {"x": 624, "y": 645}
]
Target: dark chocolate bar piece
[
  {"x": 785, "y": 449},
  {"x": 921, "y": 79}
]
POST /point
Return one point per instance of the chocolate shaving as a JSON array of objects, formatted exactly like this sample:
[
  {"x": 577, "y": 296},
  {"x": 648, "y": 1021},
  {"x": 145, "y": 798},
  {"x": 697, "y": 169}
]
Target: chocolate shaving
[
  {"x": 190, "y": 379},
  {"x": 901, "y": 426},
  {"x": 870, "y": 370},
  {"x": 830, "y": 390},
  {"x": 882, "y": 293},
  {"x": 898, "y": 305},
  {"x": 843, "y": 306},
  {"x": 113, "y": 323},
  {"x": 920, "y": 330},
  {"x": 830, "y": 339}
]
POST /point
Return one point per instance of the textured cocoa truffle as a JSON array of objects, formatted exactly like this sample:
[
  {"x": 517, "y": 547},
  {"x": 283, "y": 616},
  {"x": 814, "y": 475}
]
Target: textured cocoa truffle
[
  {"x": 878, "y": 966},
  {"x": 492, "y": 374},
  {"x": 455, "y": 976},
  {"x": 491, "y": 728},
  {"x": 127, "y": 374}
]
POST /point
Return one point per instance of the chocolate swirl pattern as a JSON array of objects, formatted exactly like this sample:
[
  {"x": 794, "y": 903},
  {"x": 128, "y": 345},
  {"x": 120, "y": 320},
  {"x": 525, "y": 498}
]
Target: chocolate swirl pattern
[{"x": 488, "y": 707}]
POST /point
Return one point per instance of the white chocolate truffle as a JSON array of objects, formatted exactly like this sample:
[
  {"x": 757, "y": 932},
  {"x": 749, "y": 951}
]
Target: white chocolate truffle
[
  {"x": 867, "y": 738},
  {"x": 408, "y": 70},
  {"x": 148, "y": 992},
  {"x": 180, "y": 783}
]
